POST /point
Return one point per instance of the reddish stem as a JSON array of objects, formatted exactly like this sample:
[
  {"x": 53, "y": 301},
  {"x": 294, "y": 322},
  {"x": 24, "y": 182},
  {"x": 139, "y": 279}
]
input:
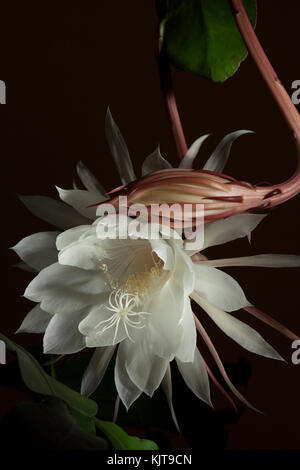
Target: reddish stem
[
  {"x": 292, "y": 186},
  {"x": 170, "y": 100}
]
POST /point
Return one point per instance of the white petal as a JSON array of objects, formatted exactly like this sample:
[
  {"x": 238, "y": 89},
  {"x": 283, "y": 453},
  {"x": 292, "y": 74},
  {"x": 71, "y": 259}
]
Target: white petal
[
  {"x": 185, "y": 351},
  {"x": 266, "y": 261},
  {"x": 195, "y": 376},
  {"x": 164, "y": 252},
  {"x": 94, "y": 336},
  {"x": 243, "y": 334},
  {"x": 188, "y": 159},
  {"x": 127, "y": 390},
  {"x": 62, "y": 335},
  {"x": 54, "y": 212},
  {"x": 96, "y": 369},
  {"x": 85, "y": 254},
  {"x": 226, "y": 230},
  {"x": 24, "y": 267},
  {"x": 166, "y": 307},
  {"x": 38, "y": 250},
  {"x": 119, "y": 150},
  {"x": 167, "y": 388},
  {"x": 64, "y": 289},
  {"x": 70, "y": 236},
  {"x": 80, "y": 200},
  {"x": 36, "y": 321},
  {"x": 145, "y": 369},
  {"x": 89, "y": 180},
  {"x": 219, "y": 157},
  {"x": 154, "y": 162},
  {"x": 218, "y": 288}
]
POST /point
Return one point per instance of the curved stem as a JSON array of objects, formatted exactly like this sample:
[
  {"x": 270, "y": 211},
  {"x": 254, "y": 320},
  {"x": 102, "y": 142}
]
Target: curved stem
[
  {"x": 292, "y": 186},
  {"x": 169, "y": 97}
]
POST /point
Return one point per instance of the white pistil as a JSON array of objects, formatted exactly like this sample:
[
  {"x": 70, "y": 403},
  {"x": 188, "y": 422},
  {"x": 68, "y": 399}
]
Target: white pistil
[{"x": 122, "y": 309}]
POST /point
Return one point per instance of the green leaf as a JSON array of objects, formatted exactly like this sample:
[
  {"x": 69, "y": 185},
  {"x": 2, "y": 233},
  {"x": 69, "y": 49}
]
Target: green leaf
[
  {"x": 82, "y": 408},
  {"x": 201, "y": 36},
  {"x": 85, "y": 422},
  {"x": 38, "y": 381},
  {"x": 121, "y": 440}
]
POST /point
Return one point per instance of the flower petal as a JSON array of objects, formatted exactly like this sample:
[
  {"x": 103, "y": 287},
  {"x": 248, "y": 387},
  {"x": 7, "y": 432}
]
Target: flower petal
[
  {"x": 266, "y": 261},
  {"x": 166, "y": 307},
  {"x": 95, "y": 336},
  {"x": 38, "y": 250},
  {"x": 119, "y": 150},
  {"x": 188, "y": 159},
  {"x": 154, "y": 162},
  {"x": 195, "y": 376},
  {"x": 145, "y": 369},
  {"x": 62, "y": 335},
  {"x": 96, "y": 369},
  {"x": 240, "y": 332},
  {"x": 80, "y": 200},
  {"x": 54, "y": 212},
  {"x": 63, "y": 289},
  {"x": 218, "y": 288},
  {"x": 226, "y": 230},
  {"x": 85, "y": 254},
  {"x": 127, "y": 390},
  {"x": 167, "y": 388},
  {"x": 89, "y": 180},
  {"x": 186, "y": 350},
  {"x": 24, "y": 267},
  {"x": 36, "y": 321},
  {"x": 70, "y": 236},
  {"x": 219, "y": 157}
]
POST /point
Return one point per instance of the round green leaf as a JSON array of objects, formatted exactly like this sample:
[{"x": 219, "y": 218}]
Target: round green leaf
[{"x": 201, "y": 36}]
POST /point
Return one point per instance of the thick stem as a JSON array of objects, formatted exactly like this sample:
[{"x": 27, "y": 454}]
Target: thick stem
[
  {"x": 169, "y": 97},
  {"x": 291, "y": 187}
]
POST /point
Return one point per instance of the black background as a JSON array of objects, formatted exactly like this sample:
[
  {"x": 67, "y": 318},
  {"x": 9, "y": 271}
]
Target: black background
[{"x": 63, "y": 64}]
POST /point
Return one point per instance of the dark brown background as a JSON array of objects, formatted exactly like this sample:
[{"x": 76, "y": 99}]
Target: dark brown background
[{"x": 63, "y": 63}]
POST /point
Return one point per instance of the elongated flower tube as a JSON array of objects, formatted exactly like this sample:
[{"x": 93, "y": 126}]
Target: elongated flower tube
[{"x": 221, "y": 195}]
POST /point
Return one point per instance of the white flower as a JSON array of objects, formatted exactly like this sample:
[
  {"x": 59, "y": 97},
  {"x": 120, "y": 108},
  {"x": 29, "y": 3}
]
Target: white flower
[{"x": 134, "y": 295}]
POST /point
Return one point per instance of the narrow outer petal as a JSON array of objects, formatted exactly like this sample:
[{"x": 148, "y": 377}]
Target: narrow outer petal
[
  {"x": 89, "y": 180},
  {"x": 218, "y": 288},
  {"x": 145, "y": 369},
  {"x": 38, "y": 250},
  {"x": 240, "y": 332},
  {"x": 80, "y": 200},
  {"x": 54, "y": 212},
  {"x": 226, "y": 230},
  {"x": 96, "y": 369},
  {"x": 154, "y": 162},
  {"x": 220, "y": 156},
  {"x": 188, "y": 159},
  {"x": 127, "y": 390},
  {"x": 36, "y": 321},
  {"x": 266, "y": 261},
  {"x": 62, "y": 335},
  {"x": 167, "y": 388},
  {"x": 119, "y": 150},
  {"x": 195, "y": 376}
]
